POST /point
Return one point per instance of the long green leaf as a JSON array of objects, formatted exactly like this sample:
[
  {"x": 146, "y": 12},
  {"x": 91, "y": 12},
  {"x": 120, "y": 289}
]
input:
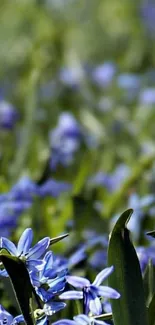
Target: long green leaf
[
  {"x": 130, "y": 309},
  {"x": 22, "y": 286},
  {"x": 151, "y": 311}
]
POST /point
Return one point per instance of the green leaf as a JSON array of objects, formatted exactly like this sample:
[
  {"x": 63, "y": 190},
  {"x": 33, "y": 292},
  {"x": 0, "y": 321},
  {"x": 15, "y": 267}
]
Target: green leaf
[
  {"x": 151, "y": 310},
  {"x": 150, "y": 273},
  {"x": 22, "y": 286},
  {"x": 149, "y": 282},
  {"x": 57, "y": 239},
  {"x": 130, "y": 309}
]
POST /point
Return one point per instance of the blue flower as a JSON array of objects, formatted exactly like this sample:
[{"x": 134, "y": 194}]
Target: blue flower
[
  {"x": 24, "y": 251},
  {"x": 129, "y": 81},
  {"x": 49, "y": 309},
  {"x": 112, "y": 181},
  {"x": 139, "y": 205},
  {"x": 54, "y": 188},
  {"x": 8, "y": 115},
  {"x": 64, "y": 140},
  {"x": 71, "y": 76},
  {"x": 7, "y": 318},
  {"x": 9, "y": 213},
  {"x": 148, "y": 16},
  {"x": 103, "y": 74},
  {"x": 80, "y": 320},
  {"x": 91, "y": 293},
  {"x": 145, "y": 254},
  {"x": 25, "y": 189},
  {"x": 147, "y": 97},
  {"x": 47, "y": 281}
]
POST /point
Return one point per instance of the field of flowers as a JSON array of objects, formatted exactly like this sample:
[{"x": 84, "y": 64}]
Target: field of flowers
[{"x": 77, "y": 149}]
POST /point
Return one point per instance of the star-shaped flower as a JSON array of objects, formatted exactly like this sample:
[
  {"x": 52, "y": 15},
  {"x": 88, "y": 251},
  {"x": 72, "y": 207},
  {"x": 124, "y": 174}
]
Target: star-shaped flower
[
  {"x": 91, "y": 293},
  {"x": 30, "y": 255}
]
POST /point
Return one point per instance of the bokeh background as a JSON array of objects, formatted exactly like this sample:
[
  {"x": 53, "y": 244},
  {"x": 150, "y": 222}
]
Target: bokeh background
[{"x": 77, "y": 121}]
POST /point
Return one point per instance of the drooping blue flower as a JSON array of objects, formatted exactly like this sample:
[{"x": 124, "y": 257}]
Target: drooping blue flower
[
  {"x": 7, "y": 318},
  {"x": 49, "y": 309},
  {"x": 54, "y": 188},
  {"x": 47, "y": 281},
  {"x": 31, "y": 256},
  {"x": 91, "y": 293},
  {"x": 8, "y": 115}
]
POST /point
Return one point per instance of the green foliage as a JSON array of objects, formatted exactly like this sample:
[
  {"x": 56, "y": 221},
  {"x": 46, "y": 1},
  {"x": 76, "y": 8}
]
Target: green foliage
[
  {"x": 126, "y": 278},
  {"x": 21, "y": 284}
]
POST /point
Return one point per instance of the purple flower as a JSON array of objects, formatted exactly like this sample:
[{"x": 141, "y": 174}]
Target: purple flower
[
  {"x": 7, "y": 318},
  {"x": 103, "y": 74},
  {"x": 64, "y": 140},
  {"x": 148, "y": 16},
  {"x": 98, "y": 260},
  {"x": 71, "y": 76},
  {"x": 145, "y": 254},
  {"x": 24, "y": 251},
  {"x": 48, "y": 275},
  {"x": 54, "y": 188},
  {"x": 25, "y": 189},
  {"x": 9, "y": 213},
  {"x": 91, "y": 293},
  {"x": 147, "y": 96},
  {"x": 8, "y": 115},
  {"x": 49, "y": 309},
  {"x": 110, "y": 181},
  {"x": 80, "y": 320},
  {"x": 139, "y": 205},
  {"x": 128, "y": 81}
]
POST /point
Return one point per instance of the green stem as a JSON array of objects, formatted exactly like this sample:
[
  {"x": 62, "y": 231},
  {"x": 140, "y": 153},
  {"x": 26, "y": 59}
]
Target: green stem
[
  {"x": 104, "y": 316},
  {"x": 28, "y": 128}
]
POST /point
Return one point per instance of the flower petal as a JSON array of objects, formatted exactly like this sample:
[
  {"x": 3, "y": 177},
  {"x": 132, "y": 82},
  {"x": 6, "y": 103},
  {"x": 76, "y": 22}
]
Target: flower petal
[
  {"x": 100, "y": 322},
  {"x": 39, "y": 249},
  {"x": 49, "y": 260},
  {"x": 52, "y": 307},
  {"x": 108, "y": 292},
  {"x": 64, "y": 322},
  {"x": 95, "y": 306},
  {"x": 71, "y": 295},
  {"x": 8, "y": 245},
  {"x": 25, "y": 242},
  {"x": 82, "y": 320},
  {"x": 4, "y": 273},
  {"x": 43, "y": 294},
  {"x": 35, "y": 265},
  {"x": 18, "y": 319},
  {"x": 35, "y": 280},
  {"x": 103, "y": 275},
  {"x": 77, "y": 281}
]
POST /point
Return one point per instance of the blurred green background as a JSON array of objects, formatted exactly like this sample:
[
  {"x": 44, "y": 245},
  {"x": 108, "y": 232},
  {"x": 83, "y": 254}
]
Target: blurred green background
[{"x": 39, "y": 40}]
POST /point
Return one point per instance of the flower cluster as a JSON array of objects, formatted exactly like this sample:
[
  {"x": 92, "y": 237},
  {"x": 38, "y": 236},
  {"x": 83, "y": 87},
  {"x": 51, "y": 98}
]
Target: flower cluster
[
  {"x": 49, "y": 282},
  {"x": 21, "y": 197}
]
